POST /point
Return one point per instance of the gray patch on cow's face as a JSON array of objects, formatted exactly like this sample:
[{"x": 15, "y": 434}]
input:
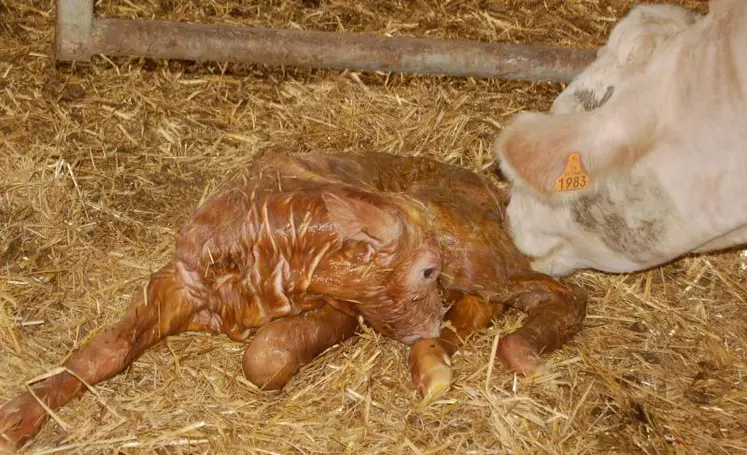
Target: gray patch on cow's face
[
  {"x": 588, "y": 99},
  {"x": 631, "y": 224}
]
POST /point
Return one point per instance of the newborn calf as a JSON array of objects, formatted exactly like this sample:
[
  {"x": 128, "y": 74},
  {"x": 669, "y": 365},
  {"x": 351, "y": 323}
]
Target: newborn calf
[
  {"x": 300, "y": 246},
  {"x": 641, "y": 159}
]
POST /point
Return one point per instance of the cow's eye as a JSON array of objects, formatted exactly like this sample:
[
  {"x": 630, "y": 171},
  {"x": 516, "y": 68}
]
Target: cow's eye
[{"x": 428, "y": 272}]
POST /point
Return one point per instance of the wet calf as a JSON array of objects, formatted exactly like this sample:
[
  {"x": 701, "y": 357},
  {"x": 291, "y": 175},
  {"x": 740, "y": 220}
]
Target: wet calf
[{"x": 292, "y": 252}]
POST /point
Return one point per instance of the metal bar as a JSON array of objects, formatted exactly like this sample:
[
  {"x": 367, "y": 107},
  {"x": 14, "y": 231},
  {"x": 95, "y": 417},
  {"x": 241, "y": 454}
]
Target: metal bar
[
  {"x": 73, "y": 29},
  {"x": 354, "y": 51}
]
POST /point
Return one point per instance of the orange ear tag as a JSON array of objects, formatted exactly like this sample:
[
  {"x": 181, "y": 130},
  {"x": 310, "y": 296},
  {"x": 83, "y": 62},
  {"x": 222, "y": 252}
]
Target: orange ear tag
[{"x": 574, "y": 177}]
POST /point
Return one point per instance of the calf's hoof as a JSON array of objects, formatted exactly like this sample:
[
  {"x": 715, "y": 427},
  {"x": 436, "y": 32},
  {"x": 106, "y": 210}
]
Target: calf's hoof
[
  {"x": 516, "y": 354},
  {"x": 430, "y": 368}
]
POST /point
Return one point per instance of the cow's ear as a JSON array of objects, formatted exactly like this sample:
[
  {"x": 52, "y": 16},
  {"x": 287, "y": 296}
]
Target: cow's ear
[
  {"x": 644, "y": 29},
  {"x": 568, "y": 153},
  {"x": 723, "y": 8},
  {"x": 535, "y": 150}
]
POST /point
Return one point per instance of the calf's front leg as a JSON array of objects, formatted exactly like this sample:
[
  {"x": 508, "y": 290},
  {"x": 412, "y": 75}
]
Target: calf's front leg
[
  {"x": 430, "y": 365},
  {"x": 556, "y": 312},
  {"x": 164, "y": 312}
]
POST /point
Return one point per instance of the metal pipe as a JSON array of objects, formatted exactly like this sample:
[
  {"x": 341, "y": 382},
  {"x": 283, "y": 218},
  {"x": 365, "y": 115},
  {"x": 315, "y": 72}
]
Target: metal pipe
[
  {"x": 354, "y": 51},
  {"x": 73, "y": 29}
]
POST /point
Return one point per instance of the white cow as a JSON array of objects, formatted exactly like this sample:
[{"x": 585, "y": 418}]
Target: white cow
[{"x": 656, "y": 132}]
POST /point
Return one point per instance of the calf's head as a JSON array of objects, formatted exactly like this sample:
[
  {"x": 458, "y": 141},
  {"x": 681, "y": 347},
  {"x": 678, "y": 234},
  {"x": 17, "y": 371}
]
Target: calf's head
[{"x": 388, "y": 267}]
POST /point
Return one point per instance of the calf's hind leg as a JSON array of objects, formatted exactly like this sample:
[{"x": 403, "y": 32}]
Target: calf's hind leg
[
  {"x": 279, "y": 349},
  {"x": 164, "y": 312}
]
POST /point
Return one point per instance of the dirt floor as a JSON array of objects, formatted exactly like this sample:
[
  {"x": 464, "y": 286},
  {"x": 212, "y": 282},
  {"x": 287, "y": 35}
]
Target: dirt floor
[{"x": 100, "y": 163}]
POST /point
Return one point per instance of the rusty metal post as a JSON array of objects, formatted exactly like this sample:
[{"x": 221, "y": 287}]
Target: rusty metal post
[
  {"x": 73, "y": 29},
  {"x": 316, "y": 49}
]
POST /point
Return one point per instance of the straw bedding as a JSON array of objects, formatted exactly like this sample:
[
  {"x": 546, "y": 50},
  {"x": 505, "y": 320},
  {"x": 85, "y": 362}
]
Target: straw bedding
[{"x": 100, "y": 162}]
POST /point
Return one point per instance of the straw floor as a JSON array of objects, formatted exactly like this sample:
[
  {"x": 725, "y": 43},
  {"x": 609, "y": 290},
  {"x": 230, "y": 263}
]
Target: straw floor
[{"x": 100, "y": 163}]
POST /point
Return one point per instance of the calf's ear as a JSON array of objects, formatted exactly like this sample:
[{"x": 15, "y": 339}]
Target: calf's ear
[{"x": 359, "y": 219}]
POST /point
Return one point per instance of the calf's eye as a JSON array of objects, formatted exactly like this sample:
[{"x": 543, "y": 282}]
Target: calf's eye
[{"x": 428, "y": 272}]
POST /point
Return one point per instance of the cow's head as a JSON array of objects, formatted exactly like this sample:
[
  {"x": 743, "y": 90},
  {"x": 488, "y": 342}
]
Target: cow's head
[{"x": 594, "y": 130}]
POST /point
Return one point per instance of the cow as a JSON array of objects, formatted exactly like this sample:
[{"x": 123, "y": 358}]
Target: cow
[{"x": 641, "y": 159}]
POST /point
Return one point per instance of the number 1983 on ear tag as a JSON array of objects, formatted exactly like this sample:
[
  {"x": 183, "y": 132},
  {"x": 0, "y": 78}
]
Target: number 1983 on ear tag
[{"x": 574, "y": 177}]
